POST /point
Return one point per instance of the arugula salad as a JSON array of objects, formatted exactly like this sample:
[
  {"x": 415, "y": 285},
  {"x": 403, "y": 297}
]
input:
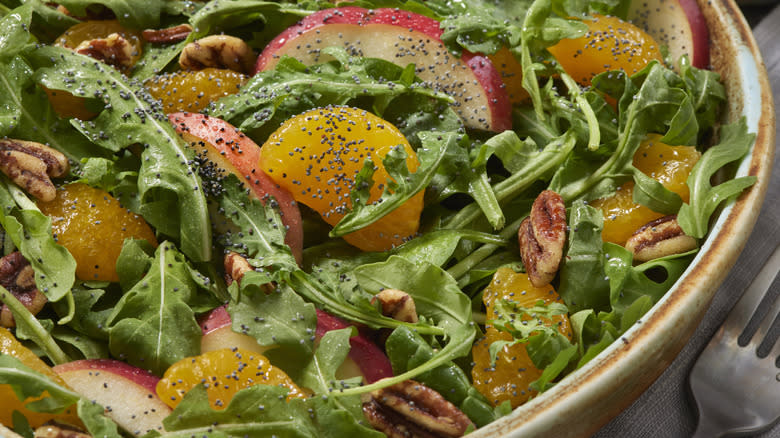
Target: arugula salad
[{"x": 319, "y": 218}]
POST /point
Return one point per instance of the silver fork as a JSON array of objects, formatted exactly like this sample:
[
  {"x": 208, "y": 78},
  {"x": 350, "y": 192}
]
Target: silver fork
[{"x": 736, "y": 379}]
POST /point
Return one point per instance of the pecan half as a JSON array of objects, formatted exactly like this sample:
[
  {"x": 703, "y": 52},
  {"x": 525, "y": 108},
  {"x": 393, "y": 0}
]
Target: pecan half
[
  {"x": 31, "y": 165},
  {"x": 542, "y": 236},
  {"x": 59, "y": 431},
  {"x": 113, "y": 50},
  {"x": 18, "y": 277},
  {"x": 397, "y": 304},
  {"x": 411, "y": 409},
  {"x": 659, "y": 238},
  {"x": 220, "y": 51},
  {"x": 168, "y": 35}
]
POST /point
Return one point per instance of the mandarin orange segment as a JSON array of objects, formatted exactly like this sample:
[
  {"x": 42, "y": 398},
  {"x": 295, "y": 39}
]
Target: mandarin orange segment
[
  {"x": 65, "y": 104},
  {"x": 223, "y": 372},
  {"x": 11, "y": 346},
  {"x": 669, "y": 165},
  {"x": 194, "y": 90},
  {"x": 317, "y": 155},
  {"x": 92, "y": 225},
  {"x": 509, "y": 378},
  {"x": 610, "y": 44},
  {"x": 511, "y": 74}
]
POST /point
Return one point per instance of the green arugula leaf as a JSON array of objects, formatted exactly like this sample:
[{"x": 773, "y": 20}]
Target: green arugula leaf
[
  {"x": 278, "y": 318},
  {"x": 408, "y": 350},
  {"x": 28, "y": 383},
  {"x": 15, "y": 33},
  {"x": 92, "y": 307},
  {"x": 78, "y": 345},
  {"x": 707, "y": 92},
  {"x": 30, "y": 231},
  {"x": 654, "y": 195},
  {"x": 555, "y": 368},
  {"x": 259, "y": 410},
  {"x": 153, "y": 325},
  {"x": 333, "y": 421},
  {"x": 735, "y": 142},
  {"x": 582, "y": 279},
  {"x": 218, "y": 17},
  {"x": 627, "y": 283},
  {"x": 401, "y": 186},
  {"x": 167, "y": 187},
  {"x": 155, "y": 58},
  {"x": 127, "y": 12},
  {"x": 97, "y": 424},
  {"x": 261, "y": 231},
  {"x": 320, "y": 374},
  {"x": 536, "y": 165}
]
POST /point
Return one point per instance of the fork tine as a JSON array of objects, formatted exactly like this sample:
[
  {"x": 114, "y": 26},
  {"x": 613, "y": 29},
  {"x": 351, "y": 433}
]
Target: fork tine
[
  {"x": 766, "y": 335},
  {"x": 775, "y": 352},
  {"x": 769, "y": 309},
  {"x": 749, "y": 312}
]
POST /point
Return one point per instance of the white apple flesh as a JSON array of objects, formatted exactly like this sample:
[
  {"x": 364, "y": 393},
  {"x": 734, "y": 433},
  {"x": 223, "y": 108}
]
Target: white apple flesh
[
  {"x": 402, "y": 38},
  {"x": 128, "y": 394},
  {"x": 218, "y": 334},
  {"x": 233, "y": 152},
  {"x": 677, "y": 24}
]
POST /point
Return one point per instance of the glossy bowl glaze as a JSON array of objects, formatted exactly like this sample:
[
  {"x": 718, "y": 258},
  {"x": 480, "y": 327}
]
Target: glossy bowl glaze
[{"x": 588, "y": 398}]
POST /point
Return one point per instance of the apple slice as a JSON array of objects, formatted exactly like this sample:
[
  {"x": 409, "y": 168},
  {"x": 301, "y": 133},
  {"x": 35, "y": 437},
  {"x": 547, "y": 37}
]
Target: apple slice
[
  {"x": 364, "y": 354},
  {"x": 400, "y": 37},
  {"x": 678, "y": 24},
  {"x": 365, "y": 358},
  {"x": 126, "y": 393},
  {"x": 218, "y": 334},
  {"x": 231, "y": 150}
]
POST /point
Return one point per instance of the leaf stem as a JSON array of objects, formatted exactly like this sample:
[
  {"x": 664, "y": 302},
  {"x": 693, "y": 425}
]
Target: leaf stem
[
  {"x": 40, "y": 336},
  {"x": 464, "y": 266}
]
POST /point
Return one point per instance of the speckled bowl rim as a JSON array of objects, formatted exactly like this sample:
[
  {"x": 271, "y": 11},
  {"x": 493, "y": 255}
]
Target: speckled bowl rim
[{"x": 588, "y": 398}]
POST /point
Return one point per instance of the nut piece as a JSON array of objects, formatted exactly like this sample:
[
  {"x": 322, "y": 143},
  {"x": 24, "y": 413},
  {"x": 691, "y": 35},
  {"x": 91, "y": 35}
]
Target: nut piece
[
  {"x": 8, "y": 433},
  {"x": 113, "y": 50},
  {"x": 168, "y": 35},
  {"x": 541, "y": 237},
  {"x": 30, "y": 165},
  {"x": 59, "y": 431},
  {"x": 411, "y": 409},
  {"x": 397, "y": 304},
  {"x": 220, "y": 51},
  {"x": 18, "y": 277},
  {"x": 660, "y": 238},
  {"x": 235, "y": 267}
]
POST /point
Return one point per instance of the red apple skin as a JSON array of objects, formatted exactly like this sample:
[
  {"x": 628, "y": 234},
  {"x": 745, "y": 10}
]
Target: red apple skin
[
  {"x": 141, "y": 377},
  {"x": 679, "y": 24},
  {"x": 700, "y": 33},
  {"x": 214, "y": 320},
  {"x": 233, "y": 151},
  {"x": 483, "y": 70},
  {"x": 127, "y": 393},
  {"x": 372, "y": 361}
]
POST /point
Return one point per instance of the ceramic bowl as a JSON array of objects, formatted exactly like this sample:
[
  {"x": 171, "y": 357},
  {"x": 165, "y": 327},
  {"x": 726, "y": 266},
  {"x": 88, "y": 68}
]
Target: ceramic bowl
[{"x": 588, "y": 398}]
